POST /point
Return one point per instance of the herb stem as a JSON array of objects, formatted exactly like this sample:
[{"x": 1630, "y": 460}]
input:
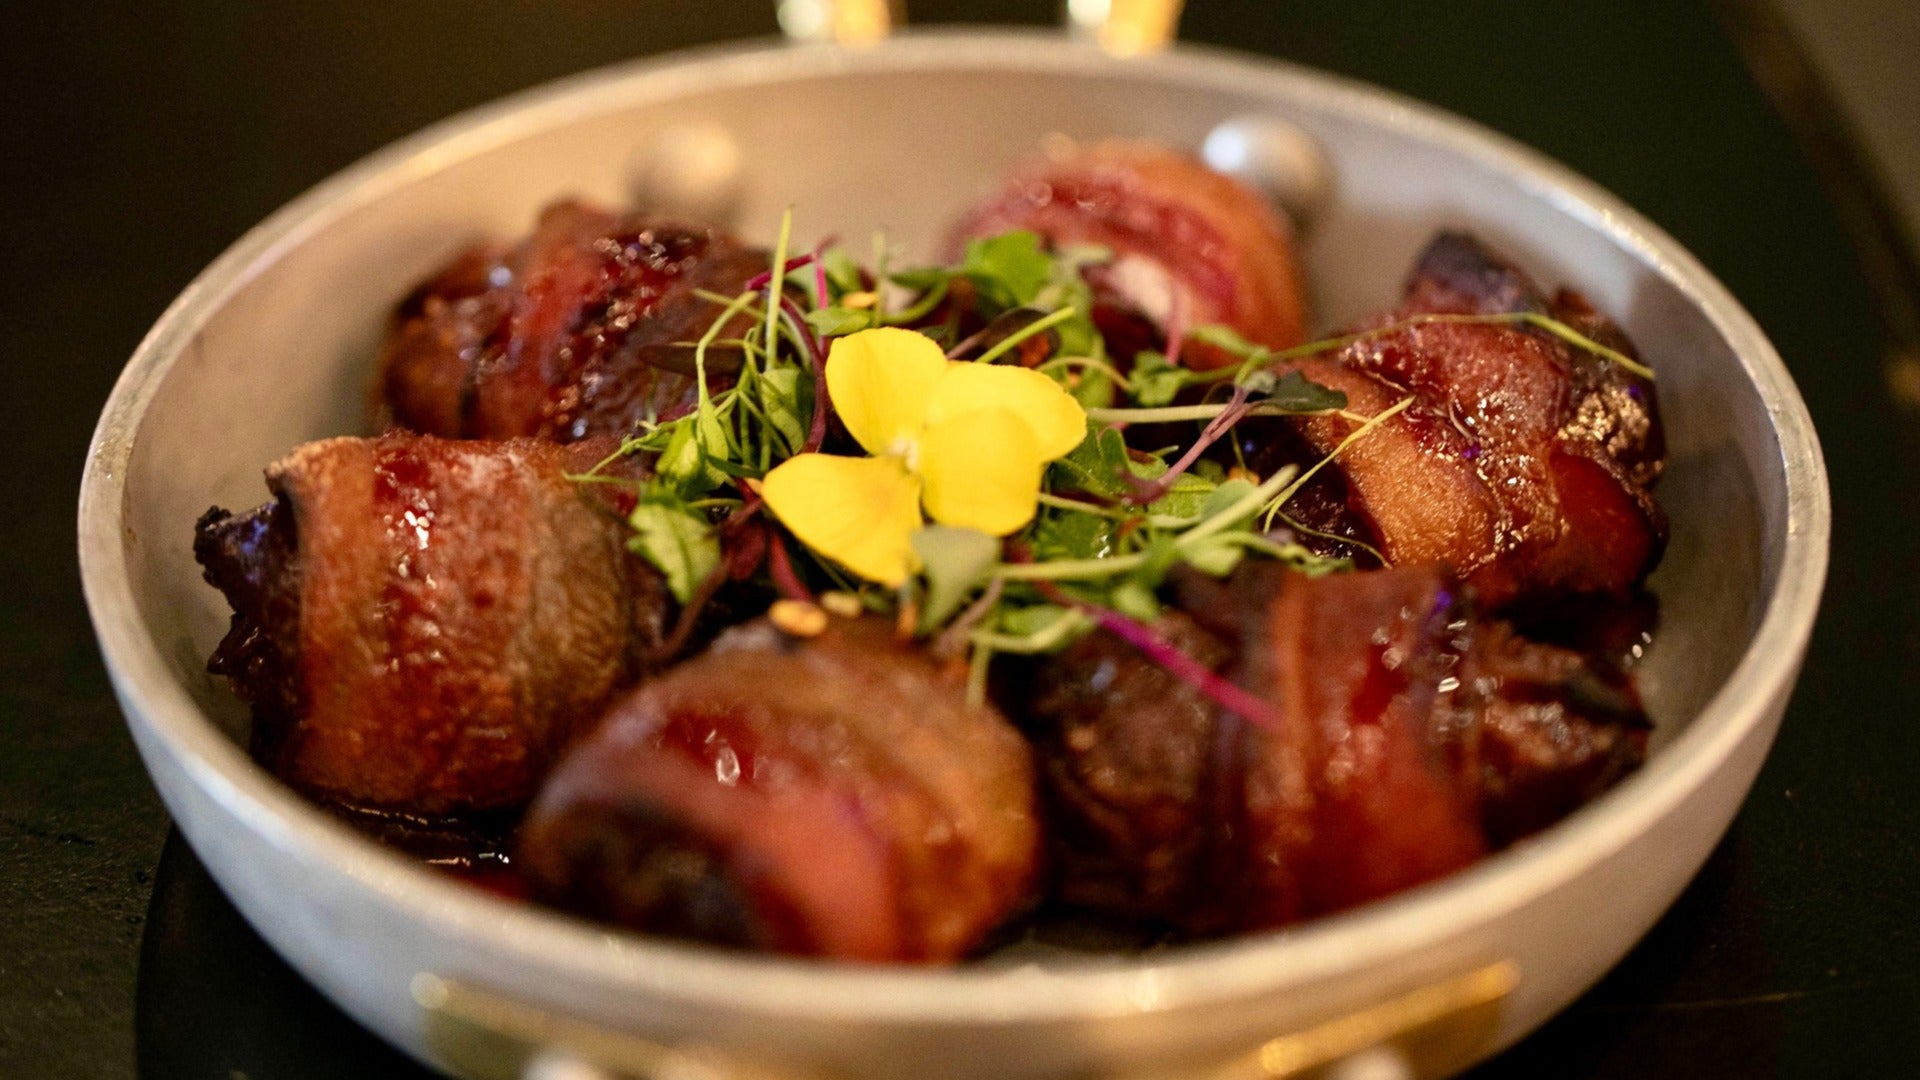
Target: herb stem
[
  {"x": 1354, "y": 436},
  {"x": 1355, "y": 541},
  {"x": 1580, "y": 341},
  {"x": 817, "y": 359},
  {"x": 1046, "y": 639},
  {"x": 705, "y": 408},
  {"x": 821, "y": 297},
  {"x": 591, "y": 477},
  {"x": 724, "y": 300},
  {"x": 1145, "y": 492},
  {"x": 1260, "y": 357},
  {"x": 1087, "y": 569},
  {"x": 1243, "y": 506},
  {"x": 1000, "y": 348},
  {"x": 775, "y": 276},
  {"x": 1158, "y": 521},
  {"x": 1224, "y": 692},
  {"x": 1090, "y": 364},
  {"x": 977, "y": 665},
  {"x": 780, "y": 568},
  {"x": 925, "y": 304},
  {"x": 1171, "y": 414}
]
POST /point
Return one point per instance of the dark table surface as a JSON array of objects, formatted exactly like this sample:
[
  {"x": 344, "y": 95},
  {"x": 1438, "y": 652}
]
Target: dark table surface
[{"x": 143, "y": 139}]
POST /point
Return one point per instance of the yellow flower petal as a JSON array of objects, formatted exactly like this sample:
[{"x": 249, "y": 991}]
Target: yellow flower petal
[
  {"x": 982, "y": 471},
  {"x": 881, "y": 381},
  {"x": 859, "y": 512},
  {"x": 1057, "y": 420}
]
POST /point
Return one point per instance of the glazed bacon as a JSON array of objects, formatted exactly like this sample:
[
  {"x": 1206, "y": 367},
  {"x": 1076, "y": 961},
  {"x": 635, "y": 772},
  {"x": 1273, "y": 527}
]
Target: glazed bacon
[
  {"x": 832, "y": 796},
  {"x": 422, "y": 624},
  {"x": 1411, "y": 737},
  {"x": 1345, "y": 801},
  {"x": 1523, "y": 463},
  {"x": 578, "y": 331},
  {"x": 1190, "y": 245}
]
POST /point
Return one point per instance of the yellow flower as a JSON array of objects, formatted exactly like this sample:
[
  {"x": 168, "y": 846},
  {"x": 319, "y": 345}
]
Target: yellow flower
[{"x": 967, "y": 441}]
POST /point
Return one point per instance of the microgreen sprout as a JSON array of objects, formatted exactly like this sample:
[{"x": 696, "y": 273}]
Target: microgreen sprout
[{"x": 1109, "y": 521}]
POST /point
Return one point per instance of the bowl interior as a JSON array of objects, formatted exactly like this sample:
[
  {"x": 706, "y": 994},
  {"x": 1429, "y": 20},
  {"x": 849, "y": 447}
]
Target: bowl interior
[{"x": 275, "y": 347}]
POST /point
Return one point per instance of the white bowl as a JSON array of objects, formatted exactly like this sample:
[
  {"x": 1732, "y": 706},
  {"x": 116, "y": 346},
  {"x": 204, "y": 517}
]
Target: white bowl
[{"x": 273, "y": 344}]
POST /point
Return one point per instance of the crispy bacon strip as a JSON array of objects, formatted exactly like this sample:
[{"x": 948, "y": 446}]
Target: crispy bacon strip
[
  {"x": 1348, "y": 801},
  {"x": 1191, "y": 246},
  {"x": 422, "y": 624},
  {"x": 1412, "y": 737},
  {"x": 832, "y": 796},
  {"x": 577, "y": 331},
  {"x": 1524, "y": 463}
]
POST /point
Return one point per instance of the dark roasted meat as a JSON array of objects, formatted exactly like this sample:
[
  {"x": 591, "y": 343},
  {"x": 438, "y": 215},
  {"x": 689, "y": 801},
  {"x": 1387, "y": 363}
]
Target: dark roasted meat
[
  {"x": 1410, "y": 737},
  {"x": 833, "y": 796},
  {"x": 1538, "y": 731},
  {"x": 1523, "y": 463},
  {"x": 422, "y": 624},
  {"x": 578, "y": 331},
  {"x": 1190, "y": 245},
  {"x": 1129, "y": 762}
]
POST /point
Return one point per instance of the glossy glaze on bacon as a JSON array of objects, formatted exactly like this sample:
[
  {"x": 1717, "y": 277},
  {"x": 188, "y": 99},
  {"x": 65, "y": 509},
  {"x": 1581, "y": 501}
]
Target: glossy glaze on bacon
[
  {"x": 422, "y": 624},
  {"x": 1523, "y": 463},
  {"x": 1411, "y": 737},
  {"x": 578, "y": 331},
  {"x": 830, "y": 796},
  {"x": 1190, "y": 245}
]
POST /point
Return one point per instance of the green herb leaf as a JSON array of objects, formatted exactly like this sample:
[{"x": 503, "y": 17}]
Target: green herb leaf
[
  {"x": 1092, "y": 387},
  {"x": 1066, "y": 534},
  {"x": 786, "y": 394},
  {"x": 1225, "y": 337},
  {"x": 1098, "y": 465},
  {"x": 1295, "y": 392},
  {"x": 1216, "y": 555},
  {"x": 842, "y": 272},
  {"x": 1313, "y": 565},
  {"x": 681, "y": 462},
  {"x": 1228, "y": 493},
  {"x": 1156, "y": 382},
  {"x": 1078, "y": 257},
  {"x": 839, "y": 321},
  {"x": 1009, "y": 269},
  {"x": 678, "y": 541},
  {"x": 1029, "y": 620},
  {"x": 1189, "y": 494},
  {"x": 955, "y": 562},
  {"x": 1135, "y": 600},
  {"x": 921, "y": 278},
  {"x": 1161, "y": 554}
]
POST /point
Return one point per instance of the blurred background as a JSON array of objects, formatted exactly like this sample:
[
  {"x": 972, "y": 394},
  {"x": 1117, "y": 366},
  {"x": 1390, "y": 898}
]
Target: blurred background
[
  {"x": 1865, "y": 51},
  {"x": 1777, "y": 139}
]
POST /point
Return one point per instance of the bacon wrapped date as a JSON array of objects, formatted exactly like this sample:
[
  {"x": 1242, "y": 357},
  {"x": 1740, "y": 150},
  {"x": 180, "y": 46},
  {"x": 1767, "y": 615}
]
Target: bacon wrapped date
[
  {"x": 1190, "y": 245},
  {"x": 1411, "y": 736},
  {"x": 1523, "y": 463},
  {"x": 832, "y": 795},
  {"x": 578, "y": 331},
  {"x": 1131, "y": 767},
  {"x": 421, "y": 624},
  {"x": 1538, "y": 731}
]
